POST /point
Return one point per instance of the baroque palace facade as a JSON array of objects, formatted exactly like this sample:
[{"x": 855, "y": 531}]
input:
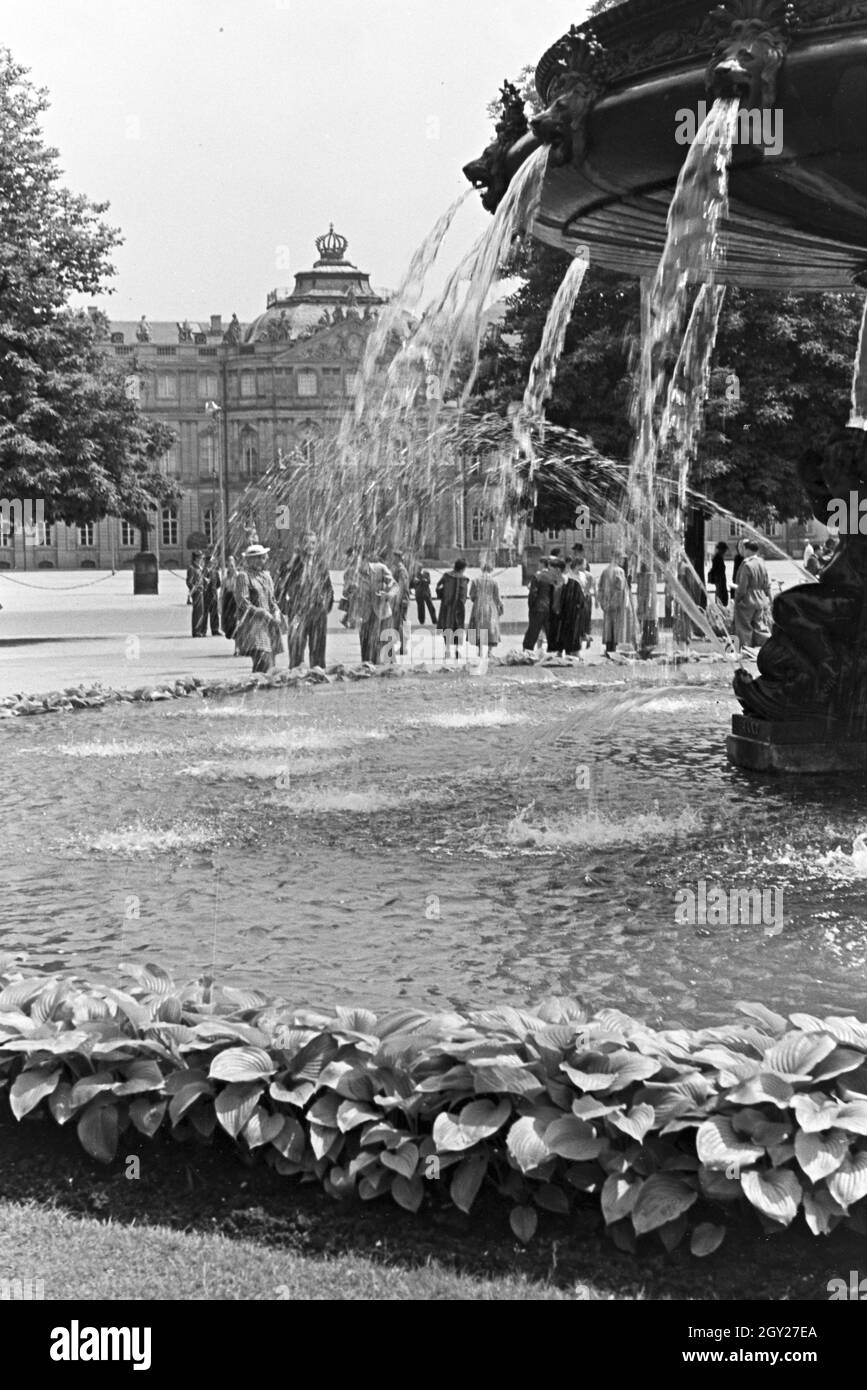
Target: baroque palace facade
[{"x": 281, "y": 382}]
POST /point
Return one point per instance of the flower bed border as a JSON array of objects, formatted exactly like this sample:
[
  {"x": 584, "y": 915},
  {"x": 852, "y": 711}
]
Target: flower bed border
[{"x": 551, "y": 1107}]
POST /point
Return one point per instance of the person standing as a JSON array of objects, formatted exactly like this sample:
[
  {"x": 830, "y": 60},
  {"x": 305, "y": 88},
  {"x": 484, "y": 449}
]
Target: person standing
[
  {"x": 452, "y": 593},
  {"x": 420, "y": 586},
  {"x": 486, "y": 610},
  {"x": 811, "y": 560},
  {"x": 572, "y": 604},
  {"x": 716, "y": 575},
  {"x": 553, "y": 631},
  {"x": 306, "y": 599},
  {"x": 539, "y": 597},
  {"x": 212, "y": 595},
  {"x": 614, "y": 597},
  {"x": 738, "y": 561},
  {"x": 752, "y": 599},
  {"x": 400, "y": 606},
  {"x": 376, "y": 588},
  {"x": 259, "y": 632},
  {"x": 196, "y": 591},
  {"x": 229, "y": 609}
]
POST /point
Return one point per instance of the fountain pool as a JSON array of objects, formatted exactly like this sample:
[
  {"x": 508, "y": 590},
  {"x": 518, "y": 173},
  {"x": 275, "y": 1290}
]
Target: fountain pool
[{"x": 438, "y": 839}]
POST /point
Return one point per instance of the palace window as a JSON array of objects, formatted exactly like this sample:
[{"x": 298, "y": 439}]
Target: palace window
[
  {"x": 477, "y": 526},
  {"x": 167, "y": 386},
  {"x": 248, "y": 384},
  {"x": 308, "y": 384},
  {"x": 331, "y": 381},
  {"x": 168, "y": 462},
  {"x": 127, "y": 534},
  {"x": 208, "y": 386},
  {"x": 86, "y": 534},
  {"x": 207, "y": 452},
  {"x": 42, "y": 533},
  {"x": 249, "y": 452},
  {"x": 351, "y": 383},
  {"x": 169, "y": 526},
  {"x": 208, "y": 525}
]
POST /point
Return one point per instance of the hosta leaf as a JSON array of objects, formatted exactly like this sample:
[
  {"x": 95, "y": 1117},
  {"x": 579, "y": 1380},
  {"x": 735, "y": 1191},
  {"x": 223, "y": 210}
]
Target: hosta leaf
[
  {"x": 290, "y": 1141},
  {"x": 478, "y": 1120},
  {"x": 815, "y": 1112},
  {"x": 262, "y": 1128},
  {"x": 573, "y": 1138},
  {"x": 242, "y": 1064},
  {"x": 771, "y": 1022},
  {"x": 841, "y": 1060},
  {"x": 514, "y": 1081},
  {"x": 589, "y": 1108},
  {"x": 468, "y": 1178},
  {"x": 849, "y": 1183},
  {"x": 550, "y": 1197},
  {"x": 706, "y": 1238},
  {"x": 403, "y": 1160},
  {"x": 324, "y": 1140},
  {"x": 138, "y": 1077},
  {"x": 776, "y": 1195},
  {"x": 619, "y": 1194},
  {"x": 821, "y": 1154},
  {"x": 851, "y": 1032},
  {"x": 235, "y": 1104},
  {"x": 98, "y": 1130},
  {"x": 764, "y": 1087},
  {"x": 610, "y": 1071},
  {"x": 351, "y": 1114},
  {"x": 147, "y": 1114},
  {"x": 795, "y": 1054},
  {"x": 636, "y": 1123},
  {"x": 717, "y": 1186},
  {"x": 60, "y": 1103},
  {"x": 407, "y": 1192},
  {"x": 672, "y": 1233},
  {"x": 18, "y": 994},
  {"x": 718, "y": 1145},
  {"x": 357, "y": 1021},
  {"x": 292, "y": 1095},
  {"x": 559, "y": 1009},
  {"x": 384, "y": 1133},
  {"x": 526, "y": 1143},
  {"x": 523, "y": 1221},
  {"x": 30, "y": 1087},
  {"x": 821, "y": 1212},
  {"x": 852, "y": 1116},
  {"x": 185, "y": 1097},
  {"x": 662, "y": 1198},
  {"x": 324, "y": 1111},
  {"x": 99, "y": 1083}
]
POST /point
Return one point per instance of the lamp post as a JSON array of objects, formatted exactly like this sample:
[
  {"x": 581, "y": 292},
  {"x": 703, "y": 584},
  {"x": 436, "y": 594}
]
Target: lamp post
[{"x": 215, "y": 411}]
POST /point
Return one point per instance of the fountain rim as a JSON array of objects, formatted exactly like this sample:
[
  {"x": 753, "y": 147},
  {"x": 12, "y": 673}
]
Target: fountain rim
[{"x": 628, "y": 32}]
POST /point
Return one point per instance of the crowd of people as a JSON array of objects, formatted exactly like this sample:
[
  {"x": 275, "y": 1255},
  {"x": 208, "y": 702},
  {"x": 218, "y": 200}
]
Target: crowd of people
[
  {"x": 265, "y": 616},
  {"x": 260, "y": 613}
]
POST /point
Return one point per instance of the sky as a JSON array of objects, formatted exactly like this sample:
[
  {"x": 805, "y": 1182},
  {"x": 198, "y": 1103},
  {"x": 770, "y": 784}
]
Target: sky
[{"x": 227, "y": 134}]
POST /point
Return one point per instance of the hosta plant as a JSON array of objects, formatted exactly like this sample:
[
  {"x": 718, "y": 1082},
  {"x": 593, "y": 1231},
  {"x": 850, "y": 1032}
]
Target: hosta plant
[{"x": 666, "y": 1130}]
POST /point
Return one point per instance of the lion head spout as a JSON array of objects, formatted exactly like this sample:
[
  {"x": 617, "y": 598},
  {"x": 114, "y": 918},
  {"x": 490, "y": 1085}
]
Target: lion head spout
[{"x": 754, "y": 39}]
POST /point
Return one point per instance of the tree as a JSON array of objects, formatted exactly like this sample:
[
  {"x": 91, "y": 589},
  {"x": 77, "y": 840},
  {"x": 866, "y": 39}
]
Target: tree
[{"x": 68, "y": 432}]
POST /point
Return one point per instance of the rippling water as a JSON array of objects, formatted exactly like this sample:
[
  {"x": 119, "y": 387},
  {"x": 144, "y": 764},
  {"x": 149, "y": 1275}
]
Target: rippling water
[{"x": 439, "y": 840}]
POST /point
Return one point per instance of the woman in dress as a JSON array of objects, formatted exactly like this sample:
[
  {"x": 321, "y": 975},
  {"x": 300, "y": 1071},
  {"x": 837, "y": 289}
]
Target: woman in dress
[
  {"x": 574, "y": 610},
  {"x": 486, "y": 610},
  {"x": 260, "y": 628}
]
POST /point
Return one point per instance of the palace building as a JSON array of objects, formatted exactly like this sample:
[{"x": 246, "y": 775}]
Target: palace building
[{"x": 280, "y": 382}]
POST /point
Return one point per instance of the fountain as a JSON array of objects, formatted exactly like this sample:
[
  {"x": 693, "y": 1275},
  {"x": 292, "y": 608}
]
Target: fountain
[{"x": 619, "y": 103}]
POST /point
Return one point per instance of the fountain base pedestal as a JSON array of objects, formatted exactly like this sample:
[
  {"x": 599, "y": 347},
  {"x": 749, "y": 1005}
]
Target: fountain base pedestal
[{"x": 798, "y": 746}]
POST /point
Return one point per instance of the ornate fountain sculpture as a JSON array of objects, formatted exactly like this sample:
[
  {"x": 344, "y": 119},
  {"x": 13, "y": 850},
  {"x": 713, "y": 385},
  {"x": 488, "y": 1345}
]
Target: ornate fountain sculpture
[
  {"x": 490, "y": 172},
  {"x": 797, "y": 220}
]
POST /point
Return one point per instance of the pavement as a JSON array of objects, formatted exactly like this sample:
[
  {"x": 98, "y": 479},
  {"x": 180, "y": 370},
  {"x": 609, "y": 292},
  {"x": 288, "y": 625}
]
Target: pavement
[{"x": 65, "y": 627}]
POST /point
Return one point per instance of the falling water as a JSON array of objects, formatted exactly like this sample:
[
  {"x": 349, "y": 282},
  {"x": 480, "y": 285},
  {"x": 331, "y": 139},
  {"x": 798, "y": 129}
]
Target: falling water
[
  {"x": 543, "y": 369},
  {"x": 692, "y": 252},
  {"x": 682, "y": 418}
]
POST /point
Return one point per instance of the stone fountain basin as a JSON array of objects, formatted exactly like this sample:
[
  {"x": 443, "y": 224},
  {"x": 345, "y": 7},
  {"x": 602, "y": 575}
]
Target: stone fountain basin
[{"x": 797, "y": 219}]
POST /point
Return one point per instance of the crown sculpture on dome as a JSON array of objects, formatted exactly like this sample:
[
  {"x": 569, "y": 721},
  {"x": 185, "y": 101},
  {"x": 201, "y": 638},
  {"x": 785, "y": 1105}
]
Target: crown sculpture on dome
[{"x": 332, "y": 246}]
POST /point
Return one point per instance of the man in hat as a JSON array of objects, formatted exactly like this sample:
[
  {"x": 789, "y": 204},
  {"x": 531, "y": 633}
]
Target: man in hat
[
  {"x": 259, "y": 632},
  {"x": 307, "y": 598}
]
